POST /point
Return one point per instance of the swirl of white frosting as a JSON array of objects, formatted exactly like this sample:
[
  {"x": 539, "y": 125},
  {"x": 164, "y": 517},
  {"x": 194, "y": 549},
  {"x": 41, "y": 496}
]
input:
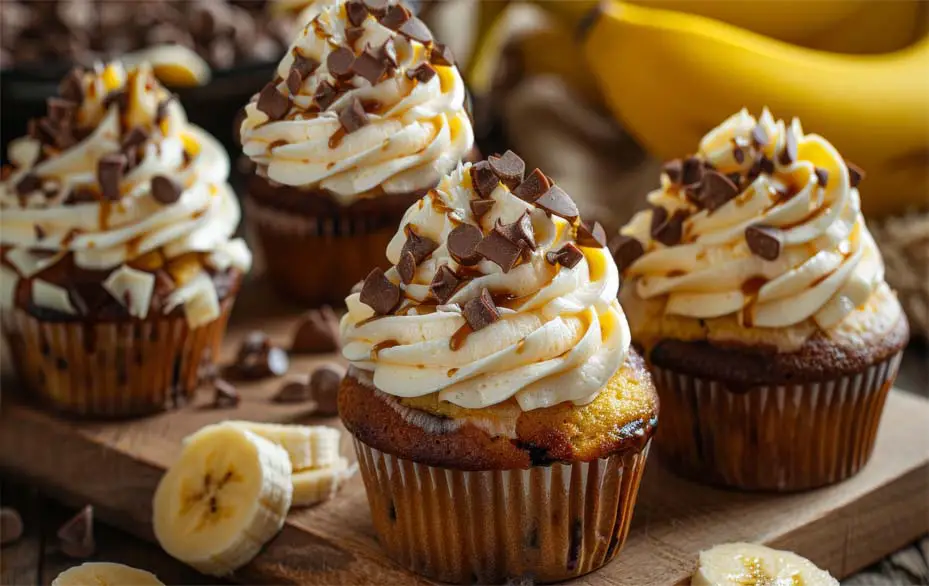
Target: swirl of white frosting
[
  {"x": 418, "y": 132},
  {"x": 561, "y": 337},
  {"x": 828, "y": 263},
  {"x": 40, "y": 228}
]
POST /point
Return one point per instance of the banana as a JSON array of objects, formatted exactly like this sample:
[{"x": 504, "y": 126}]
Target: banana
[
  {"x": 318, "y": 485},
  {"x": 175, "y": 65},
  {"x": 226, "y": 495},
  {"x": 309, "y": 446},
  {"x": 741, "y": 564},
  {"x": 105, "y": 574}
]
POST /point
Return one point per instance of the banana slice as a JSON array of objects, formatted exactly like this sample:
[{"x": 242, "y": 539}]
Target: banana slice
[
  {"x": 105, "y": 574},
  {"x": 175, "y": 65},
  {"x": 318, "y": 485},
  {"x": 750, "y": 564},
  {"x": 309, "y": 446},
  {"x": 224, "y": 498}
]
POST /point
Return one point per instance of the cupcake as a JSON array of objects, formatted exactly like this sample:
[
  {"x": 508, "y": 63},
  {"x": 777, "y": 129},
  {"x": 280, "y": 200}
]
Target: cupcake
[
  {"x": 365, "y": 115},
  {"x": 758, "y": 297},
  {"x": 118, "y": 270},
  {"x": 500, "y": 418}
]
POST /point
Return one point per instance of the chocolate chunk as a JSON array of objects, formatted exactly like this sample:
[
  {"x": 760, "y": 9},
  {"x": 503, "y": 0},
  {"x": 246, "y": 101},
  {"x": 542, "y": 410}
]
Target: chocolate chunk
[
  {"x": 388, "y": 53},
  {"x": 165, "y": 190},
  {"x": 60, "y": 110},
  {"x": 480, "y": 312},
  {"x": 118, "y": 97},
  {"x": 324, "y": 388},
  {"x": 272, "y": 102},
  {"x": 764, "y": 241},
  {"x": 416, "y": 30},
  {"x": 325, "y": 95},
  {"x": 11, "y": 526},
  {"x": 673, "y": 169},
  {"x": 668, "y": 230},
  {"x": 77, "y": 534},
  {"x": 533, "y": 186},
  {"x": 356, "y": 11},
  {"x": 855, "y": 173},
  {"x": 738, "y": 154},
  {"x": 421, "y": 73},
  {"x": 463, "y": 242},
  {"x": 479, "y": 207},
  {"x": 406, "y": 267},
  {"x": 134, "y": 138},
  {"x": 441, "y": 55},
  {"x": 626, "y": 250},
  {"x": 224, "y": 394},
  {"x": 72, "y": 87},
  {"x": 762, "y": 164},
  {"x": 691, "y": 171},
  {"x": 519, "y": 232},
  {"x": 161, "y": 111},
  {"x": 556, "y": 201},
  {"x": 592, "y": 235},
  {"x": 568, "y": 256},
  {"x": 499, "y": 249},
  {"x": 395, "y": 16},
  {"x": 715, "y": 190},
  {"x": 28, "y": 184},
  {"x": 352, "y": 34},
  {"x": 294, "y": 82},
  {"x": 379, "y": 293},
  {"x": 259, "y": 358},
  {"x": 304, "y": 66},
  {"x": 789, "y": 154},
  {"x": 340, "y": 62},
  {"x": 293, "y": 391},
  {"x": 370, "y": 67},
  {"x": 509, "y": 168},
  {"x": 822, "y": 176},
  {"x": 109, "y": 173},
  {"x": 420, "y": 246},
  {"x": 316, "y": 332},
  {"x": 444, "y": 284},
  {"x": 353, "y": 116},
  {"x": 759, "y": 136},
  {"x": 483, "y": 179}
]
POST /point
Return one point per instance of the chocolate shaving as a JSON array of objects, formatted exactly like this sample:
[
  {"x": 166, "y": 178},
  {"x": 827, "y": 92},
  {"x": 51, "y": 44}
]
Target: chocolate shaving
[
  {"x": 326, "y": 94},
  {"x": 480, "y": 207},
  {"x": 165, "y": 190},
  {"x": 316, "y": 332},
  {"x": 416, "y": 30},
  {"x": 225, "y": 395},
  {"x": 293, "y": 391},
  {"x": 509, "y": 168},
  {"x": 77, "y": 534},
  {"x": 370, "y": 67},
  {"x": 822, "y": 176},
  {"x": 691, "y": 171},
  {"x": 395, "y": 16},
  {"x": 421, "y": 73},
  {"x": 483, "y": 179},
  {"x": 592, "y": 235},
  {"x": 356, "y": 11},
  {"x": 480, "y": 312},
  {"x": 419, "y": 246},
  {"x": 441, "y": 55},
  {"x": 533, "y": 186},
  {"x": 353, "y": 116},
  {"x": 715, "y": 190},
  {"x": 340, "y": 62},
  {"x": 463, "y": 242},
  {"x": 764, "y": 241},
  {"x": 855, "y": 173},
  {"x": 499, "y": 249},
  {"x": 324, "y": 388},
  {"x": 272, "y": 102},
  {"x": 444, "y": 284},
  {"x": 379, "y": 293},
  {"x": 674, "y": 170},
  {"x": 568, "y": 256},
  {"x": 556, "y": 201},
  {"x": 626, "y": 250},
  {"x": 789, "y": 154},
  {"x": 109, "y": 173},
  {"x": 668, "y": 230},
  {"x": 406, "y": 267}
]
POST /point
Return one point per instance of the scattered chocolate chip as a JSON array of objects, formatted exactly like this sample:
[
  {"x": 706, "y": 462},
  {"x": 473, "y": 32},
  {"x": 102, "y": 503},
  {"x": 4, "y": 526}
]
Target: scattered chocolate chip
[
  {"x": 109, "y": 174},
  {"x": 519, "y": 232},
  {"x": 224, "y": 394},
  {"x": 379, "y": 293},
  {"x": 77, "y": 534},
  {"x": 673, "y": 169},
  {"x": 480, "y": 312},
  {"x": 499, "y": 249},
  {"x": 483, "y": 179},
  {"x": 822, "y": 176},
  {"x": 416, "y": 30},
  {"x": 691, "y": 171},
  {"x": 441, "y": 55},
  {"x": 325, "y": 95},
  {"x": 762, "y": 164},
  {"x": 340, "y": 62},
  {"x": 72, "y": 86},
  {"x": 715, "y": 190},
  {"x": 394, "y": 16},
  {"x": 855, "y": 173},
  {"x": 759, "y": 136},
  {"x": 444, "y": 284},
  {"x": 406, "y": 267},
  {"x": 304, "y": 66},
  {"x": 556, "y": 201},
  {"x": 463, "y": 242},
  {"x": 272, "y": 102},
  {"x": 592, "y": 235},
  {"x": 28, "y": 184},
  {"x": 764, "y": 241},
  {"x": 352, "y": 34},
  {"x": 134, "y": 138},
  {"x": 60, "y": 110},
  {"x": 789, "y": 154},
  {"x": 356, "y": 12},
  {"x": 324, "y": 388},
  {"x": 421, "y": 73},
  {"x": 420, "y": 246},
  {"x": 316, "y": 332},
  {"x": 509, "y": 168},
  {"x": 294, "y": 82},
  {"x": 370, "y": 67},
  {"x": 11, "y": 526},
  {"x": 352, "y": 117},
  {"x": 165, "y": 190},
  {"x": 568, "y": 256},
  {"x": 479, "y": 207},
  {"x": 293, "y": 391},
  {"x": 259, "y": 358},
  {"x": 626, "y": 250},
  {"x": 668, "y": 230},
  {"x": 533, "y": 186}
]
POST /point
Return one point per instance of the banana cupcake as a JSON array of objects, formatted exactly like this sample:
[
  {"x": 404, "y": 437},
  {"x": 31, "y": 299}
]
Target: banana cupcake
[
  {"x": 118, "y": 267},
  {"x": 500, "y": 418},
  {"x": 365, "y": 115},
  {"x": 758, "y": 297}
]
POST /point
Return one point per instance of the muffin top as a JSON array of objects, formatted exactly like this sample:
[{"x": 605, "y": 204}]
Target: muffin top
[
  {"x": 499, "y": 294},
  {"x": 760, "y": 230},
  {"x": 114, "y": 205},
  {"x": 364, "y": 103}
]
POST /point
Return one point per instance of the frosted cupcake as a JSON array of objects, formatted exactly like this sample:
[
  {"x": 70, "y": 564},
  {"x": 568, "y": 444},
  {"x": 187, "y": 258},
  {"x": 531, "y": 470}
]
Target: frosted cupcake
[
  {"x": 758, "y": 296},
  {"x": 118, "y": 266},
  {"x": 500, "y": 417},
  {"x": 366, "y": 114}
]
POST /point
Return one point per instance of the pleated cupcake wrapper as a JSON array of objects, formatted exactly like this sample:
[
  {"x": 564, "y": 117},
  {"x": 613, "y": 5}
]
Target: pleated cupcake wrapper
[
  {"x": 300, "y": 225},
  {"x": 112, "y": 369},
  {"x": 544, "y": 524},
  {"x": 778, "y": 438}
]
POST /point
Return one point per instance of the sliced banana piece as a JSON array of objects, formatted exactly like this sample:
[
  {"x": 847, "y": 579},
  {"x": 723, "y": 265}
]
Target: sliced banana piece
[
  {"x": 309, "y": 446},
  {"x": 105, "y": 574},
  {"x": 174, "y": 65},
  {"x": 750, "y": 564},
  {"x": 318, "y": 485},
  {"x": 223, "y": 499}
]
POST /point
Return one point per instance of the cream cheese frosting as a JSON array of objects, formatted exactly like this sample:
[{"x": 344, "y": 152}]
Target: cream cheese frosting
[
  {"x": 55, "y": 208},
  {"x": 561, "y": 333},
  {"x": 787, "y": 243},
  {"x": 416, "y": 129}
]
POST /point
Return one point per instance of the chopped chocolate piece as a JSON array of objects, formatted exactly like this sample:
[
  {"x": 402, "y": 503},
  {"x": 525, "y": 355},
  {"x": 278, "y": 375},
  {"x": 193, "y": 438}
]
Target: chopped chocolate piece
[
  {"x": 509, "y": 168},
  {"x": 736, "y": 179},
  {"x": 738, "y": 154},
  {"x": 626, "y": 250},
  {"x": 673, "y": 169},
  {"x": 317, "y": 332},
  {"x": 395, "y": 16},
  {"x": 556, "y": 201},
  {"x": 379, "y": 293},
  {"x": 388, "y": 53},
  {"x": 134, "y": 138},
  {"x": 444, "y": 284},
  {"x": 109, "y": 173},
  {"x": 325, "y": 95},
  {"x": 166, "y": 190},
  {"x": 441, "y": 55},
  {"x": 420, "y": 246},
  {"x": 463, "y": 242},
  {"x": 668, "y": 231},
  {"x": 60, "y": 110},
  {"x": 691, "y": 171},
  {"x": 533, "y": 186},
  {"x": 789, "y": 154},
  {"x": 483, "y": 179},
  {"x": 499, "y": 249},
  {"x": 855, "y": 173},
  {"x": 294, "y": 82},
  {"x": 480, "y": 312},
  {"x": 259, "y": 358},
  {"x": 272, "y": 102},
  {"x": 422, "y": 73},
  {"x": 715, "y": 190},
  {"x": 28, "y": 184},
  {"x": 352, "y": 34},
  {"x": 592, "y": 235},
  {"x": 822, "y": 176},
  {"x": 568, "y": 256},
  {"x": 370, "y": 67},
  {"x": 479, "y": 207},
  {"x": 759, "y": 136},
  {"x": 11, "y": 526},
  {"x": 762, "y": 164},
  {"x": 72, "y": 86},
  {"x": 118, "y": 97},
  {"x": 764, "y": 241},
  {"x": 324, "y": 388},
  {"x": 161, "y": 111},
  {"x": 77, "y": 534},
  {"x": 353, "y": 116},
  {"x": 293, "y": 391},
  {"x": 356, "y": 11},
  {"x": 416, "y": 30},
  {"x": 340, "y": 62},
  {"x": 406, "y": 267},
  {"x": 304, "y": 66},
  {"x": 224, "y": 394},
  {"x": 519, "y": 232}
]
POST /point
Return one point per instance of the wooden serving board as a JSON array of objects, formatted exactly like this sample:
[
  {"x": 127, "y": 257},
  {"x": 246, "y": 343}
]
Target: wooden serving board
[{"x": 116, "y": 465}]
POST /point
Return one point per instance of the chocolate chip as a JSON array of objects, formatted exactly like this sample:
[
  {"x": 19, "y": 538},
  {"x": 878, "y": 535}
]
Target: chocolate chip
[
  {"x": 161, "y": 111},
  {"x": 11, "y": 526},
  {"x": 691, "y": 171},
  {"x": 379, "y": 293},
  {"x": 626, "y": 250},
  {"x": 395, "y": 16},
  {"x": 479, "y": 207},
  {"x": 72, "y": 87},
  {"x": 822, "y": 176},
  {"x": 519, "y": 232},
  {"x": 134, "y": 138},
  {"x": 592, "y": 235},
  {"x": 509, "y": 168},
  {"x": 118, "y": 97},
  {"x": 28, "y": 184},
  {"x": 225, "y": 395},
  {"x": 421, "y": 73},
  {"x": 715, "y": 190},
  {"x": 109, "y": 173},
  {"x": 356, "y": 12},
  {"x": 340, "y": 62},
  {"x": 568, "y": 256},
  {"x": 77, "y": 534},
  {"x": 316, "y": 332},
  {"x": 556, "y": 201},
  {"x": 441, "y": 55},
  {"x": 668, "y": 230},
  {"x": 60, "y": 110},
  {"x": 499, "y": 249},
  {"x": 325, "y": 95},
  {"x": 762, "y": 164},
  {"x": 352, "y": 117},
  {"x": 673, "y": 169},
  {"x": 533, "y": 186},
  {"x": 370, "y": 67},
  {"x": 855, "y": 173},
  {"x": 324, "y": 388},
  {"x": 789, "y": 154},
  {"x": 294, "y": 82},
  {"x": 416, "y": 30},
  {"x": 420, "y": 246},
  {"x": 759, "y": 136},
  {"x": 352, "y": 34},
  {"x": 406, "y": 267},
  {"x": 259, "y": 358},
  {"x": 293, "y": 391},
  {"x": 463, "y": 242},
  {"x": 764, "y": 241},
  {"x": 165, "y": 190},
  {"x": 272, "y": 102},
  {"x": 304, "y": 66},
  {"x": 480, "y": 312},
  {"x": 444, "y": 284},
  {"x": 483, "y": 179}
]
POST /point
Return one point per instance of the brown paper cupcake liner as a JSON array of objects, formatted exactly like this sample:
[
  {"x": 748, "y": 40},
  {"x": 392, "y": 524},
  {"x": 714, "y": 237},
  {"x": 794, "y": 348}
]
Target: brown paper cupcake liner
[
  {"x": 544, "y": 524},
  {"x": 778, "y": 438},
  {"x": 112, "y": 369}
]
